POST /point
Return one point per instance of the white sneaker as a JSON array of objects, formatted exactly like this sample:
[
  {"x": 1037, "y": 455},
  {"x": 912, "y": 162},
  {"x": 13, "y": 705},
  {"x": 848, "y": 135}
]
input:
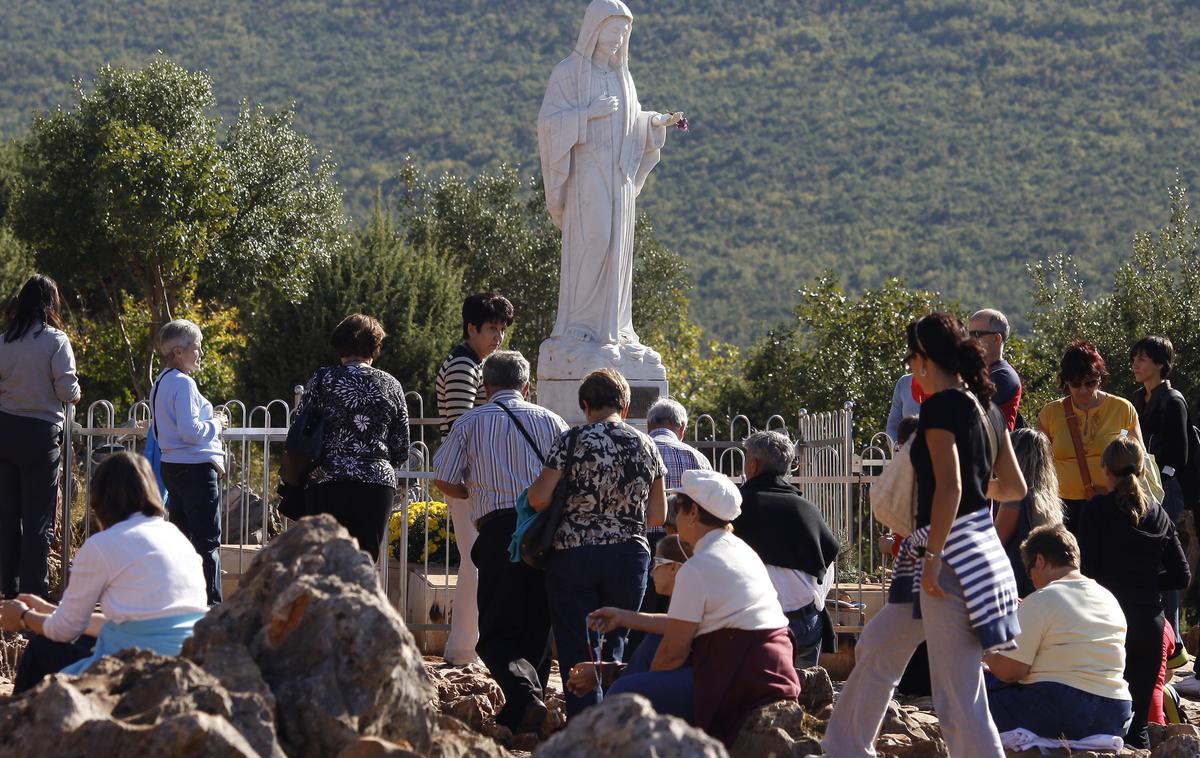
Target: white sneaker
[{"x": 1189, "y": 686}]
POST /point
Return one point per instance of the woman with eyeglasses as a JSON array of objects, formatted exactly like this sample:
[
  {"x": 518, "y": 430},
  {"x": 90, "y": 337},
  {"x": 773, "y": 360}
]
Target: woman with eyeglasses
[
  {"x": 670, "y": 692},
  {"x": 1081, "y": 425}
]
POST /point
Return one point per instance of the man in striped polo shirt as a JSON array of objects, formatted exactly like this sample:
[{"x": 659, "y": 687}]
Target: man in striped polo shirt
[
  {"x": 459, "y": 386},
  {"x": 491, "y": 455}
]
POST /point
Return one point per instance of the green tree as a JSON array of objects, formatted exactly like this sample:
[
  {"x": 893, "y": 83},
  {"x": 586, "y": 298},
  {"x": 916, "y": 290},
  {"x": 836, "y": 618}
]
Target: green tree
[
  {"x": 131, "y": 193},
  {"x": 16, "y": 262},
  {"x": 414, "y": 292},
  {"x": 841, "y": 348}
]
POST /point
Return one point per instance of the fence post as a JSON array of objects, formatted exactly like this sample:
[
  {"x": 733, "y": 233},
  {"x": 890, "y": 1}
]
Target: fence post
[{"x": 68, "y": 487}]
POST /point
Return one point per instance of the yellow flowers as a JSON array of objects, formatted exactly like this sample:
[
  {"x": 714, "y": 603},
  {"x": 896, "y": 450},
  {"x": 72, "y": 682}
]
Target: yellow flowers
[{"x": 436, "y": 516}]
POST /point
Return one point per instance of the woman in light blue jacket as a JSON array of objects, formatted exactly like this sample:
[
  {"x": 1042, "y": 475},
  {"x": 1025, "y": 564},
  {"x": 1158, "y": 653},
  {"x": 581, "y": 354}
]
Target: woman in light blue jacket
[{"x": 189, "y": 434}]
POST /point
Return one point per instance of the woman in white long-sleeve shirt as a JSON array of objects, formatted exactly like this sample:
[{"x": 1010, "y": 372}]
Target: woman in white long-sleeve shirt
[
  {"x": 37, "y": 376},
  {"x": 189, "y": 433},
  {"x": 139, "y": 567}
]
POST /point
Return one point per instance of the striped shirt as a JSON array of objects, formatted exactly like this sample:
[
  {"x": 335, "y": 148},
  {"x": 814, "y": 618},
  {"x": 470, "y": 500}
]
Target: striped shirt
[
  {"x": 975, "y": 554},
  {"x": 487, "y": 452},
  {"x": 677, "y": 456},
  {"x": 459, "y": 385}
]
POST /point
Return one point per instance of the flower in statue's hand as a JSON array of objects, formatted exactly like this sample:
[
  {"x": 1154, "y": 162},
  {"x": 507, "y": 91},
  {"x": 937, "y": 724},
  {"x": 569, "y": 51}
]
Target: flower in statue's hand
[{"x": 682, "y": 124}]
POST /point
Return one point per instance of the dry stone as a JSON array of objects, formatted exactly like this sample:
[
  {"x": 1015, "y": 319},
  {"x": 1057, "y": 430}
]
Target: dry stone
[
  {"x": 134, "y": 703},
  {"x": 1179, "y": 746},
  {"x": 816, "y": 688},
  {"x": 627, "y": 725},
  {"x": 780, "y": 729},
  {"x": 454, "y": 739},
  {"x": 336, "y": 656}
]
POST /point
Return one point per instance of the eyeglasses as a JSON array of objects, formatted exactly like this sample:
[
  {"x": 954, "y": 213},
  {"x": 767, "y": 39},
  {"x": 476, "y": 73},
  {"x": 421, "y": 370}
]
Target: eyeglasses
[
  {"x": 656, "y": 561},
  {"x": 1081, "y": 383},
  {"x": 977, "y": 333}
]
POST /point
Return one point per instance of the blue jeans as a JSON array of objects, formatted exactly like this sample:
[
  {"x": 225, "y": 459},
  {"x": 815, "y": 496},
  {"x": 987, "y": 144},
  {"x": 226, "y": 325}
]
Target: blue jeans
[
  {"x": 194, "y": 505},
  {"x": 1052, "y": 709},
  {"x": 807, "y": 626},
  {"x": 670, "y": 692},
  {"x": 578, "y": 581}
]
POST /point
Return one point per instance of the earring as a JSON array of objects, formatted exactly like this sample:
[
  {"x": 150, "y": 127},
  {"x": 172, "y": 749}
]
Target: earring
[{"x": 924, "y": 371}]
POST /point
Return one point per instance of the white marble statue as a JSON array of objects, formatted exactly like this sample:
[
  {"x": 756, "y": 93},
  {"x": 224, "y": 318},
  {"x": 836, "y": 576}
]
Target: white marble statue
[{"x": 597, "y": 146}]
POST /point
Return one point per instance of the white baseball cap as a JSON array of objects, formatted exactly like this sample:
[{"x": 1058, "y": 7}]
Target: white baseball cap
[{"x": 713, "y": 491}]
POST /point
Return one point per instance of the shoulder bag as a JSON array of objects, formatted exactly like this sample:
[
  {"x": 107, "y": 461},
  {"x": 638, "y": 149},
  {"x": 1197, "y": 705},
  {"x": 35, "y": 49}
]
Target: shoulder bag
[
  {"x": 301, "y": 453},
  {"x": 538, "y": 540},
  {"x": 1090, "y": 490},
  {"x": 894, "y": 493}
]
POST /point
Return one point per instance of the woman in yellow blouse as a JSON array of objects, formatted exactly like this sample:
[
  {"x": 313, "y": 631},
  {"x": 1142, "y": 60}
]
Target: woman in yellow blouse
[{"x": 1101, "y": 418}]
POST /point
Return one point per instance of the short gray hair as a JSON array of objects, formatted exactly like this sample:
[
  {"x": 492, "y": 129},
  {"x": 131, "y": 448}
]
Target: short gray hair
[
  {"x": 506, "y": 370},
  {"x": 177, "y": 333},
  {"x": 996, "y": 321},
  {"x": 666, "y": 412},
  {"x": 771, "y": 449}
]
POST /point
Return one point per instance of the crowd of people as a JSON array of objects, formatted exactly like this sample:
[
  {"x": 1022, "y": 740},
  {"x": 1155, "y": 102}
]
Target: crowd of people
[{"x": 1042, "y": 572}]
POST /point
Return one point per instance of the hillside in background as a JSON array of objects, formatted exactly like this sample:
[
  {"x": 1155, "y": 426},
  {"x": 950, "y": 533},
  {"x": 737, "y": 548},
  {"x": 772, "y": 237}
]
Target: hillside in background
[{"x": 949, "y": 142}]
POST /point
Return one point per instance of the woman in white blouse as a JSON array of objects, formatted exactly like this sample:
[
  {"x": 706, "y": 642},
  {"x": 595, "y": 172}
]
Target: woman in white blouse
[{"x": 139, "y": 567}]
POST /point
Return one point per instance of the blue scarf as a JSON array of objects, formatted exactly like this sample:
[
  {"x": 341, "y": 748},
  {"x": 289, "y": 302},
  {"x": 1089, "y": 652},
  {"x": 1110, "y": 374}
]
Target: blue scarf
[{"x": 164, "y": 636}]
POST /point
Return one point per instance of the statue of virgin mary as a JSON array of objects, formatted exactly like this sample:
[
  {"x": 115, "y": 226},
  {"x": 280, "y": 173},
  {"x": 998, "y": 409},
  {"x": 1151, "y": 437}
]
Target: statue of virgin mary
[{"x": 597, "y": 146}]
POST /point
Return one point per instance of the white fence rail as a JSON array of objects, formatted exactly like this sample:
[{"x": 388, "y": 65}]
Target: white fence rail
[{"x": 827, "y": 470}]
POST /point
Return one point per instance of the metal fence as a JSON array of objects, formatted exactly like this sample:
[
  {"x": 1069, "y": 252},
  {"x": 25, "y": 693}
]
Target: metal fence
[{"x": 828, "y": 470}]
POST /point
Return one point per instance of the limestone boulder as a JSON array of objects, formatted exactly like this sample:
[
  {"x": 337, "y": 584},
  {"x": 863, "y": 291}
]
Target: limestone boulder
[
  {"x": 338, "y": 659},
  {"x": 136, "y": 703},
  {"x": 1178, "y": 746},
  {"x": 627, "y": 725},
  {"x": 468, "y": 693},
  {"x": 454, "y": 739},
  {"x": 816, "y": 688},
  {"x": 780, "y": 729}
]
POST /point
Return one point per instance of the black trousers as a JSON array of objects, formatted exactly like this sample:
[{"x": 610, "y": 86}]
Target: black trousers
[
  {"x": 29, "y": 458},
  {"x": 194, "y": 505},
  {"x": 1143, "y": 658},
  {"x": 44, "y": 656},
  {"x": 514, "y": 619},
  {"x": 360, "y": 507}
]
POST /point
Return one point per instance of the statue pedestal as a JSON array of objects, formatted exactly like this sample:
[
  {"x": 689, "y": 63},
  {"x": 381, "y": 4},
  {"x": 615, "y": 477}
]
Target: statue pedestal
[{"x": 563, "y": 363}]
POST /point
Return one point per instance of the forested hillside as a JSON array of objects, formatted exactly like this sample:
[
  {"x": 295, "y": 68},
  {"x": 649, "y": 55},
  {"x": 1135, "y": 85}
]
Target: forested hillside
[{"x": 950, "y": 142}]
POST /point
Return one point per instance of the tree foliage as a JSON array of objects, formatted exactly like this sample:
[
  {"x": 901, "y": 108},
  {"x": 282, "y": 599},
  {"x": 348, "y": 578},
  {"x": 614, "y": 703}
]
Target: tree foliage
[
  {"x": 131, "y": 193},
  {"x": 413, "y": 291}
]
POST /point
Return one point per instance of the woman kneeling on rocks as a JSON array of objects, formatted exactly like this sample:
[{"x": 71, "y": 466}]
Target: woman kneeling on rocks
[
  {"x": 670, "y": 692},
  {"x": 724, "y": 615},
  {"x": 142, "y": 570}
]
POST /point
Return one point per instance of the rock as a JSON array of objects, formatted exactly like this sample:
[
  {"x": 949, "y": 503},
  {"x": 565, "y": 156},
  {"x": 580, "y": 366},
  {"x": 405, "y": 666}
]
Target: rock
[
  {"x": 373, "y": 747},
  {"x": 778, "y": 729},
  {"x": 627, "y": 725},
  {"x": 337, "y": 657},
  {"x": 1179, "y": 746},
  {"x": 816, "y": 688},
  {"x": 1160, "y": 733},
  {"x": 454, "y": 739},
  {"x": 909, "y": 722},
  {"x": 467, "y": 693},
  {"x": 134, "y": 703},
  {"x": 906, "y": 746}
]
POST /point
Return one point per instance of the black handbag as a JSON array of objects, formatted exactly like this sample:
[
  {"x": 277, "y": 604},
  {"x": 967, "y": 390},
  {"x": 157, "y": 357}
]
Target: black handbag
[
  {"x": 537, "y": 542},
  {"x": 301, "y": 453}
]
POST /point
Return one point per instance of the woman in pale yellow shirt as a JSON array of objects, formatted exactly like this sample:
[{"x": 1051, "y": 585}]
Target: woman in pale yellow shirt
[{"x": 1101, "y": 418}]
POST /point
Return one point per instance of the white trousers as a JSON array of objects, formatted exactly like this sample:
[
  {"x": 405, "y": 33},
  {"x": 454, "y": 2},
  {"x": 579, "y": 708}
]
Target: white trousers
[
  {"x": 959, "y": 694},
  {"x": 464, "y": 614}
]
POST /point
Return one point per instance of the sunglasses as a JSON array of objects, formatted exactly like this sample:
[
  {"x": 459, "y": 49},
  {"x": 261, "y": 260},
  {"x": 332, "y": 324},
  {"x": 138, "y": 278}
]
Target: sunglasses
[
  {"x": 1081, "y": 383},
  {"x": 977, "y": 333},
  {"x": 656, "y": 562}
]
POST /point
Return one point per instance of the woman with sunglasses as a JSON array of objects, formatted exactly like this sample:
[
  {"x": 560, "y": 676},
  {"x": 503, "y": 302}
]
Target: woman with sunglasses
[
  {"x": 670, "y": 691},
  {"x": 1097, "y": 418}
]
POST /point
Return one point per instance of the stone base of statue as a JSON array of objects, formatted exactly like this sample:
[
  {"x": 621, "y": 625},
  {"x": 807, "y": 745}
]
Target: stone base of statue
[{"x": 563, "y": 362}]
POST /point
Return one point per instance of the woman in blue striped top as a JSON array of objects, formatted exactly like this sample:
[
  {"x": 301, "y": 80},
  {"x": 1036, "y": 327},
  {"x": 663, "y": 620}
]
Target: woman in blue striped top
[{"x": 953, "y": 586}]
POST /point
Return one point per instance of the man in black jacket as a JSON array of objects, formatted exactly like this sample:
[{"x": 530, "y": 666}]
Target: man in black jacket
[{"x": 792, "y": 539}]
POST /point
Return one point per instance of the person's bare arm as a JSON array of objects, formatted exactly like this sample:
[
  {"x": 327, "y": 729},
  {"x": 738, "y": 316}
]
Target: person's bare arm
[
  {"x": 607, "y": 619},
  {"x": 541, "y": 492},
  {"x": 1009, "y": 482},
  {"x": 452, "y": 490},
  {"x": 656, "y": 509},
  {"x": 1006, "y": 523},
  {"x": 676, "y": 646},
  {"x": 1006, "y": 669},
  {"x": 947, "y": 492}
]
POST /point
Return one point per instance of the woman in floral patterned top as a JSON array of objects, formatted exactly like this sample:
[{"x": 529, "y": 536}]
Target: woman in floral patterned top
[
  {"x": 615, "y": 490},
  {"x": 366, "y": 435}
]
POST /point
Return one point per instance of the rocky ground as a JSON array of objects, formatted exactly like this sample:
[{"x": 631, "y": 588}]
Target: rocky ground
[{"x": 309, "y": 659}]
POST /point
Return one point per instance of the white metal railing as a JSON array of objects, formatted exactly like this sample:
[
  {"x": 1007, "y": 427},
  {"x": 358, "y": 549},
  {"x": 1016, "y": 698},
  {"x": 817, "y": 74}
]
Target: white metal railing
[{"x": 827, "y": 470}]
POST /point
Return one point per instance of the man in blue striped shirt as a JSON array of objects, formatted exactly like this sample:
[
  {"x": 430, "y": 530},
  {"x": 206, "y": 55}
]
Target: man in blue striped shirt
[{"x": 492, "y": 454}]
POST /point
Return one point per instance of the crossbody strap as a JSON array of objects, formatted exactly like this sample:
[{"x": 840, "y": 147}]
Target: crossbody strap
[
  {"x": 521, "y": 427},
  {"x": 153, "y": 401},
  {"x": 1077, "y": 440}
]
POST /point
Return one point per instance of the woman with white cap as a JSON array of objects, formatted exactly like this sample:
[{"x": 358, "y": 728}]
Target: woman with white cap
[{"x": 724, "y": 614}]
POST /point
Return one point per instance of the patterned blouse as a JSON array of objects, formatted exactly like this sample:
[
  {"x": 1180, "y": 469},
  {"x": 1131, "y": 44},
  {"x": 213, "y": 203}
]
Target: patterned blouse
[
  {"x": 611, "y": 472},
  {"x": 366, "y": 424}
]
